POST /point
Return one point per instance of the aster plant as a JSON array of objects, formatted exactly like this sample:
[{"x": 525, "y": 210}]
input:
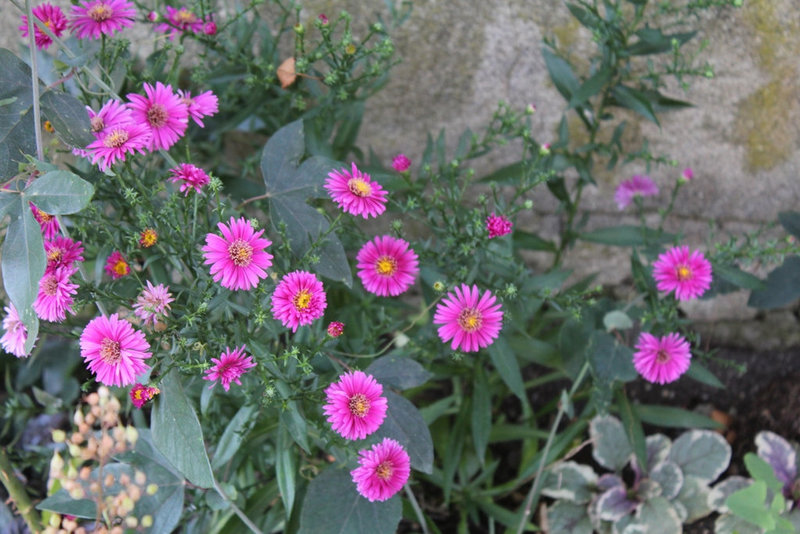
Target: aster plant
[{"x": 351, "y": 342}]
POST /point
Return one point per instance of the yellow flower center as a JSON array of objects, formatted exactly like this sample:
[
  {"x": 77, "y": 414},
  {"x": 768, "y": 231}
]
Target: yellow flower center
[
  {"x": 359, "y": 187},
  {"x": 100, "y": 13},
  {"x": 184, "y": 16},
  {"x": 116, "y": 139},
  {"x": 470, "y": 319},
  {"x": 684, "y": 273},
  {"x": 45, "y": 217},
  {"x": 241, "y": 253},
  {"x": 50, "y": 286},
  {"x": 48, "y": 126},
  {"x": 54, "y": 255},
  {"x": 137, "y": 394},
  {"x": 386, "y": 266},
  {"x": 302, "y": 300},
  {"x": 384, "y": 470},
  {"x": 110, "y": 351},
  {"x": 157, "y": 115},
  {"x": 358, "y": 404},
  {"x": 148, "y": 238},
  {"x": 121, "y": 267}
]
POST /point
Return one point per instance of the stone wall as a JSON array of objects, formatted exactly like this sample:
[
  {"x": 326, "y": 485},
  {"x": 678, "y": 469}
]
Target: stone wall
[{"x": 460, "y": 57}]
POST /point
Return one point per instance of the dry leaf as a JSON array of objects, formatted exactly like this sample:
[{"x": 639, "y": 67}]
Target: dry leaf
[{"x": 286, "y": 73}]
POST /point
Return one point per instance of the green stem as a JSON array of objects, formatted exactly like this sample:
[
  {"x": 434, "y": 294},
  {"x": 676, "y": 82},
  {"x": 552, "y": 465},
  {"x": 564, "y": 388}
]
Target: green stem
[
  {"x": 246, "y": 520},
  {"x": 17, "y": 492},
  {"x": 417, "y": 509},
  {"x": 533, "y": 495},
  {"x": 37, "y": 118}
]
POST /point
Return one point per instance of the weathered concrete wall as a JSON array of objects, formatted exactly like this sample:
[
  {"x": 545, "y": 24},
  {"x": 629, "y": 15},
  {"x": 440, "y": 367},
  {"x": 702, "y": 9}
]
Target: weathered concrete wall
[{"x": 461, "y": 56}]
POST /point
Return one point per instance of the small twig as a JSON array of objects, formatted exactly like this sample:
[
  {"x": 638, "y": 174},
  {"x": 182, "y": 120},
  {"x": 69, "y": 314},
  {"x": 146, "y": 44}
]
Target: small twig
[
  {"x": 253, "y": 199},
  {"x": 417, "y": 509},
  {"x": 240, "y": 514},
  {"x": 37, "y": 113},
  {"x": 18, "y": 494}
]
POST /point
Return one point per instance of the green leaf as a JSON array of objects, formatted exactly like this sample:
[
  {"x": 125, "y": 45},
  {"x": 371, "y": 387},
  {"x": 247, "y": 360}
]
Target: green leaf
[
  {"x": 634, "y": 100},
  {"x": 68, "y": 117},
  {"x": 332, "y": 505},
  {"x": 505, "y": 361},
  {"x": 669, "y": 416},
  {"x": 611, "y": 447},
  {"x": 610, "y": 360},
  {"x": 398, "y": 372},
  {"x": 701, "y": 453},
  {"x": 750, "y": 504},
  {"x": 570, "y": 481},
  {"x": 16, "y": 118},
  {"x": 281, "y": 157},
  {"x": 790, "y": 220},
  {"x": 617, "y": 320},
  {"x": 295, "y": 423},
  {"x": 61, "y": 503},
  {"x": 481, "y": 412},
  {"x": 285, "y": 469},
  {"x": 60, "y": 192},
  {"x": 404, "y": 424},
  {"x": 590, "y": 87},
  {"x": 529, "y": 241},
  {"x": 781, "y": 287},
  {"x": 23, "y": 263},
  {"x": 657, "y": 516},
  {"x": 633, "y": 428},
  {"x": 738, "y": 277},
  {"x": 234, "y": 434},
  {"x": 586, "y": 18},
  {"x": 561, "y": 73},
  {"x": 761, "y": 470},
  {"x": 653, "y": 41},
  {"x": 569, "y": 518},
  {"x": 509, "y": 175},
  {"x": 8, "y": 203},
  {"x": 177, "y": 433},
  {"x": 699, "y": 372},
  {"x": 625, "y": 236},
  {"x": 332, "y": 262}
]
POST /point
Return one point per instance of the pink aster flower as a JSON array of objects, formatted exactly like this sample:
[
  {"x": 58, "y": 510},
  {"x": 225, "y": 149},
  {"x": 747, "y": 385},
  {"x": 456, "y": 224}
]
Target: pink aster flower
[
  {"x": 471, "y": 320},
  {"x": 401, "y": 163},
  {"x": 152, "y": 304},
  {"x": 116, "y": 141},
  {"x": 114, "y": 351},
  {"x": 382, "y": 471},
  {"x": 48, "y": 223},
  {"x": 687, "y": 175},
  {"x": 356, "y": 193},
  {"x": 638, "y": 185},
  {"x": 55, "y": 295},
  {"x": 116, "y": 266},
  {"x": 202, "y": 105},
  {"x": 238, "y": 259},
  {"x": 298, "y": 300},
  {"x": 661, "y": 360},
  {"x": 141, "y": 394},
  {"x": 16, "y": 335},
  {"x": 356, "y": 406},
  {"x": 112, "y": 113},
  {"x": 190, "y": 177},
  {"x": 688, "y": 274},
  {"x": 335, "y": 329},
  {"x": 52, "y": 17},
  {"x": 162, "y": 112},
  {"x": 230, "y": 365},
  {"x": 498, "y": 225},
  {"x": 62, "y": 252},
  {"x": 94, "y": 18},
  {"x": 180, "y": 21},
  {"x": 387, "y": 266}
]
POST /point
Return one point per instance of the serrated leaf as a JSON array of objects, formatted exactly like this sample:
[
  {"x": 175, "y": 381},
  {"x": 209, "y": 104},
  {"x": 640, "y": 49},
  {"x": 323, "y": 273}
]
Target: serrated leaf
[
  {"x": 779, "y": 454},
  {"x": 481, "y": 412},
  {"x": 611, "y": 448},
  {"x": 68, "y": 117},
  {"x": 571, "y": 481},
  {"x": 701, "y": 453},
  {"x": 234, "y": 434},
  {"x": 505, "y": 362},
  {"x": 60, "y": 192},
  {"x": 332, "y": 504},
  {"x": 16, "y": 118},
  {"x": 398, "y": 372},
  {"x": 404, "y": 424},
  {"x": 177, "y": 433},
  {"x": 781, "y": 287}
]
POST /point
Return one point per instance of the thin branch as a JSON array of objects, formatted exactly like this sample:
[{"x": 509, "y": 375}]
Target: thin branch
[
  {"x": 37, "y": 113},
  {"x": 18, "y": 494}
]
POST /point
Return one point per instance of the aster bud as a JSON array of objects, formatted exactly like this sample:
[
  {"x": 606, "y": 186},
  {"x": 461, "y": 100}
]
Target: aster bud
[
  {"x": 438, "y": 286},
  {"x": 544, "y": 150},
  {"x": 210, "y": 28},
  {"x": 530, "y": 109},
  {"x": 299, "y": 29},
  {"x": 335, "y": 329}
]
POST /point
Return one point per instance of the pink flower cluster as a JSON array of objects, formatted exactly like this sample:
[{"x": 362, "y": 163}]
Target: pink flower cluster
[
  {"x": 141, "y": 394},
  {"x": 229, "y": 367},
  {"x": 89, "y": 19},
  {"x": 637, "y": 186},
  {"x": 182, "y": 20},
  {"x": 497, "y": 225},
  {"x": 155, "y": 121},
  {"x": 356, "y": 408}
]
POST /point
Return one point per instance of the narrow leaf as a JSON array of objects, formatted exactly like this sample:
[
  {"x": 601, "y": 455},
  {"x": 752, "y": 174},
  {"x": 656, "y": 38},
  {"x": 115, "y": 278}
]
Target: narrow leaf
[
  {"x": 633, "y": 428},
  {"x": 285, "y": 469},
  {"x": 505, "y": 361},
  {"x": 561, "y": 73},
  {"x": 234, "y": 434},
  {"x": 634, "y": 100},
  {"x": 590, "y": 87},
  {"x": 481, "y": 412},
  {"x": 670, "y": 416}
]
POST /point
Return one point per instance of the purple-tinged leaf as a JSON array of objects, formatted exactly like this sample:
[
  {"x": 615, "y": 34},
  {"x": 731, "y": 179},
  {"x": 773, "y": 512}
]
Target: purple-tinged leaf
[
  {"x": 779, "y": 454},
  {"x": 614, "y": 504}
]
